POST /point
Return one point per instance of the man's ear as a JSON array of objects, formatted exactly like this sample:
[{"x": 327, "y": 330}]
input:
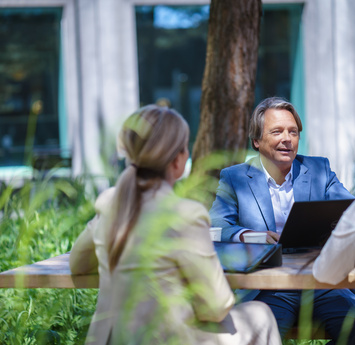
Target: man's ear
[{"x": 256, "y": 143}]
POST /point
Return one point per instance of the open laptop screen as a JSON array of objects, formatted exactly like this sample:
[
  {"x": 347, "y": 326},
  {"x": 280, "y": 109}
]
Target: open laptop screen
[{"x": 310, "y": 223}]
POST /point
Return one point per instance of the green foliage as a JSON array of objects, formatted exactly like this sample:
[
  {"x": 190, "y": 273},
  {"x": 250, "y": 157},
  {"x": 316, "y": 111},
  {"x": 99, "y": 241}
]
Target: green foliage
[
  {"x": 45, "y": 316},
  {"x": 202, "y": 183},
  {"x": 304, "y": 342},
  {"x": 38, "y": 221}
]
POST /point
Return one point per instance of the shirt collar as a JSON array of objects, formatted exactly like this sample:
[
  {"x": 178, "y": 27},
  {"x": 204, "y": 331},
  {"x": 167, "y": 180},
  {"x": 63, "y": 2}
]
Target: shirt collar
[{"x": 270, "y": 180}]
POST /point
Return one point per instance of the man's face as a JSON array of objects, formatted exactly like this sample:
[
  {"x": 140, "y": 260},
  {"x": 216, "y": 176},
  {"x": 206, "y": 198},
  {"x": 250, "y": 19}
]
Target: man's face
[{"x": 279, "y": 142}]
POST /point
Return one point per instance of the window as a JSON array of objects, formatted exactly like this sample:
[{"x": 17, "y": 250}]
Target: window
[
  {"x": 30, "y": 93},
  {"x": 171, "y": 57},
  {"x": 172, "y": 51}
]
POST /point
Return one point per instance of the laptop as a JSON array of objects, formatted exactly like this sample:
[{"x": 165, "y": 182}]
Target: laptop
[{"x": 310, "y": 223}]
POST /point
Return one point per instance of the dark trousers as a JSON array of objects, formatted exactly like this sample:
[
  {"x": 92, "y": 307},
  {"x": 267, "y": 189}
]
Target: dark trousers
[{"x": 330, "y": 308}]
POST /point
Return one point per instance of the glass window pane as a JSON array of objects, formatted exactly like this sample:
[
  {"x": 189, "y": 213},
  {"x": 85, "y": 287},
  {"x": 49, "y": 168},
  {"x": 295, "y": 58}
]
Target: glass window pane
[
  {"x": 171, "y": 55},
  {"x": 29, "y": 70},
  {"x": 278, "y": 43},
  {"x": 172, "y": 51}
]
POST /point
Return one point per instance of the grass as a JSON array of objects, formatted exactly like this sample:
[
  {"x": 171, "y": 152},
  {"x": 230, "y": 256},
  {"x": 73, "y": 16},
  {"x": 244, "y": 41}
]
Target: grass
[{"x": 39, "y": 221}]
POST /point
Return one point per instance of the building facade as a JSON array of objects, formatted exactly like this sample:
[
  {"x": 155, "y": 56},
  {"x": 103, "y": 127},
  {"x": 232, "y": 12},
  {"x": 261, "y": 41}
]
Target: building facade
[{"x": 73, "y": 70}]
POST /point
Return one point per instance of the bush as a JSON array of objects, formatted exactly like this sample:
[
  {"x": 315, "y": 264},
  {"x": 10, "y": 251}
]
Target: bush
[{"x": 39, "y": 221}]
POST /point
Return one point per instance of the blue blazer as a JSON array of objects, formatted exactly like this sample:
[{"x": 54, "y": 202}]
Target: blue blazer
[{"x": 243, "y": 198}]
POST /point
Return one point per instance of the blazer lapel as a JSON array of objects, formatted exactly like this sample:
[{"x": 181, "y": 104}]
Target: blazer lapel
[
  {"x": 258, "y": 185},
  {"x": 301, "y": 182}
]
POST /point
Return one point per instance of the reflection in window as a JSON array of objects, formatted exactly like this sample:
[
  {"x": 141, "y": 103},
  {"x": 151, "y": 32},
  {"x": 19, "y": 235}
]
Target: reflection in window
[
  {"x": 171, "y": 55},
  {"x": 172, "y": 51},
  {"x": 29, "y": 76},
  {"x": 279, "y": 37}
]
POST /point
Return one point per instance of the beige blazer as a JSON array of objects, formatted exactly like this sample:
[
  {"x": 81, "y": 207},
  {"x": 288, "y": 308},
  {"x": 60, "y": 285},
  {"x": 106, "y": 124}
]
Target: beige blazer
[{"x": 168, "y": 287}]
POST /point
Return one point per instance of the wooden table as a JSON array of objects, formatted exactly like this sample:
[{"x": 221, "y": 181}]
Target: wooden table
[{"x": 55, "y": 273}]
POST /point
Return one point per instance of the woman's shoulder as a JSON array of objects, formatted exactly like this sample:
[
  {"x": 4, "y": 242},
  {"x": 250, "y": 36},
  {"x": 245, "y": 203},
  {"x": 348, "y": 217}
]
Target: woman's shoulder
[
  {"x": 191, "y": 207},
  {"x": 191, "y": 224},
  {"x": 167, "y": 199},
  {"x": 104, "y": 201},
  {"x": 191, "y": 213}
]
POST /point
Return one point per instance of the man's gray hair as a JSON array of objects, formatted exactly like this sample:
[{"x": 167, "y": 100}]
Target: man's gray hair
[{"x": 256, "y": 124}]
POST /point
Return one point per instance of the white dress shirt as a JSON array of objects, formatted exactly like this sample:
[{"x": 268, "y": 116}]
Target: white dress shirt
[
  {"x": 282, "y": 200},
  {"x": 281, "y": 197}
]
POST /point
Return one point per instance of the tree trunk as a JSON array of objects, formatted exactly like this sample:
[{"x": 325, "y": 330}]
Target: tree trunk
[{"x": 229, "y": 77}]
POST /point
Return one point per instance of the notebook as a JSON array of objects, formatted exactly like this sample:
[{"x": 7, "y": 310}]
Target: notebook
[
  {"x": 310, "y": 223},
  {"x": 247, "y": 257}
]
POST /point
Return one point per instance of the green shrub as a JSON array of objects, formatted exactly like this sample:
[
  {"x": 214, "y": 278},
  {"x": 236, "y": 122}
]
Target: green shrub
[{"x": 39, "y": 221}]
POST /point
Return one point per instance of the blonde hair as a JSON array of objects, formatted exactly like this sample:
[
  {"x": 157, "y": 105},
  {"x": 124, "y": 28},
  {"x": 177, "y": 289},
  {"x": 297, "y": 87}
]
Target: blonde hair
[{"x": 151, "y": 138}]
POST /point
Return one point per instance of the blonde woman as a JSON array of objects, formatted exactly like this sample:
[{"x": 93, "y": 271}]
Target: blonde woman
[{"x": 160, "y": 279}]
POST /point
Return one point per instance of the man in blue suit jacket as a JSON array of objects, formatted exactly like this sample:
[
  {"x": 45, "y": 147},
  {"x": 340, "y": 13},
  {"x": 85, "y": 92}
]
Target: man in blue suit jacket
[
  {"x": 243, "y": 198},
  {"x": 258, "y": 196}
]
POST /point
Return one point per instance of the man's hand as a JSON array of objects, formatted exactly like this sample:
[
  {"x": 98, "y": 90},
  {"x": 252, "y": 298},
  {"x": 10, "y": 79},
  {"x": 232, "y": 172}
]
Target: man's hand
[{"x": 272, "y": 237}]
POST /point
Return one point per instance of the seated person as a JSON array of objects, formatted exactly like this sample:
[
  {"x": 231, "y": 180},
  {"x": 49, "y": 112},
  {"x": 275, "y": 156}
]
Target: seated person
[
  {"x": 160, "y": 279},
  {"x": 337, "y": 257},
  {"x": 258, "y": 196}
]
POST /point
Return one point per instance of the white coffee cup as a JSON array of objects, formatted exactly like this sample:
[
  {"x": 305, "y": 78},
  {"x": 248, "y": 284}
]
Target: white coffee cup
[
  {"x": 255, "y": 237},
  {"x": 216, "y": 234}
]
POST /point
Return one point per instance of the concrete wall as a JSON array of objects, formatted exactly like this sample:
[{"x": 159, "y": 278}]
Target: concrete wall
[{"x": 107, "y": 60}]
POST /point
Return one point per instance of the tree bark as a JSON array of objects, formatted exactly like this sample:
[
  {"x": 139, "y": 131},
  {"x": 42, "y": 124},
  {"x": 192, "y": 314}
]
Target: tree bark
[{"x": 229, "y": 77}]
